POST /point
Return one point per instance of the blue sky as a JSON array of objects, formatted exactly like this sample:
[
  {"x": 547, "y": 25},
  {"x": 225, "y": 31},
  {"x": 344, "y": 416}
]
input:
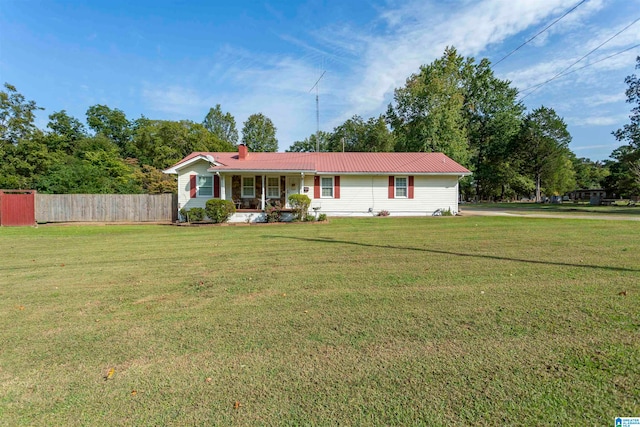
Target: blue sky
[{"x": 176, "y": 59}]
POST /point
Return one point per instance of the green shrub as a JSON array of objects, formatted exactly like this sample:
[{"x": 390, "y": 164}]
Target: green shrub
[
  {"x": 183, "y": 215},
  {"x": 300, "y": 204},
  {"x": 220, "y": 210},
  {"x": 274, "y": 212},
  {"x": 322, "y": 217},
  {"x": 193, "y": 214},
  {"x": 447, "y": 212},
  {"x": 309, "y": 218}
]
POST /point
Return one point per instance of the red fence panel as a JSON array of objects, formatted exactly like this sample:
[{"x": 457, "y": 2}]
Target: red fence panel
[{"x": 17, "y": 207}]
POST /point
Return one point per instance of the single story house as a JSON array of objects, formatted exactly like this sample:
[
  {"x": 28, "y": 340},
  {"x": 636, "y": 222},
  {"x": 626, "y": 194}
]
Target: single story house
[{"x": 338, "y": 184}]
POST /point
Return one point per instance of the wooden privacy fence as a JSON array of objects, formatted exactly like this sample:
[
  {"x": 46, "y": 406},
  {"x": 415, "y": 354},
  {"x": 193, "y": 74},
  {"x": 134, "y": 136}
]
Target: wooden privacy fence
[{"x": 106, "y": 207}]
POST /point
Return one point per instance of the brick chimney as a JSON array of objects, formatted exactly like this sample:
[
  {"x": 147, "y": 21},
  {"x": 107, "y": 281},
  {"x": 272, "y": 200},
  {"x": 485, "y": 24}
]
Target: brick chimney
[{"x": 243, "y": 151}]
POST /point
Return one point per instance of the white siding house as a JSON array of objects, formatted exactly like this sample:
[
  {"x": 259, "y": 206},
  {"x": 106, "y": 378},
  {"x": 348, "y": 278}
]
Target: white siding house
[{"x": 338, "y": 184}]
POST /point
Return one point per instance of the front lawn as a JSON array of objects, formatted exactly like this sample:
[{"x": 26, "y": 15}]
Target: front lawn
[{"x": 385, "y": 321}]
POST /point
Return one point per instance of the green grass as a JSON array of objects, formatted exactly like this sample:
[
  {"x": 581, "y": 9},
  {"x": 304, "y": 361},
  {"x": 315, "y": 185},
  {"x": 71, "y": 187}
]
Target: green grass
[
  {"x": 551, "y": 208},
  {"x": 379, "y": 321}
]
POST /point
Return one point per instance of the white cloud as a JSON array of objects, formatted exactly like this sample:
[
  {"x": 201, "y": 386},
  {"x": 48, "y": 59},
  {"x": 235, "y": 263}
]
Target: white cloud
[{"x": 600, "y": 120}]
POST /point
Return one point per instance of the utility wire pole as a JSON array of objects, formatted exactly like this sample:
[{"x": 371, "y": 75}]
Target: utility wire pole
[{"x": 316, "y": 86}]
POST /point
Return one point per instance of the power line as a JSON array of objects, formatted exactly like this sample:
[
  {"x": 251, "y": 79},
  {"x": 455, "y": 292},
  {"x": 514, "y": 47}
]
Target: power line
[
  {"x": 588, "y": 65},
  {"x": 590, "y": 52},
  {"x": 540, "y": 32}
]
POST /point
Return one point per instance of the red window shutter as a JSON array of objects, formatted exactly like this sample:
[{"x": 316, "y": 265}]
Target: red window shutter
[
  {"x": 216, "y": 186},
  {"x": 411, "y": 187},
  {"x": 192, "y": 186},
  {"x": 392, "y": 184},
  {"x": 336, "y": 187},
  {"x": 316, "y": 187}
]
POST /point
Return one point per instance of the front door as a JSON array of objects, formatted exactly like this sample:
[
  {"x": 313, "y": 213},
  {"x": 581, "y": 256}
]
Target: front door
[{"x": 292, "y": 184}]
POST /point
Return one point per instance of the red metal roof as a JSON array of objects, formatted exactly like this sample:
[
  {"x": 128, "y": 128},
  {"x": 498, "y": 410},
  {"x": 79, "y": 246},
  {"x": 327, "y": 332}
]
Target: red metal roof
[{"x": 343, "y": 163}]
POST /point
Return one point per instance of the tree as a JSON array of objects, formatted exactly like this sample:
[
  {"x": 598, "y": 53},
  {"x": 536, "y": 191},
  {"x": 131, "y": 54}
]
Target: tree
[
  {"x": 493, "y": 118},
  {"x": 95, "y": 168},
  {"x": 161, "y": 143},
  {"x": 543, "y": 146},
  {"x": 259, "y": 134},
  {"x": 65, "y": 132},
  {"x": 589, "y": 174},
  {"x": 112, "y": 123},
  {"x": 428, "y": 111},
  {"x": 16, "y": 116},
  {"x": 310, "y": 144},
  {"x": 222, "y": 125},
  {"x": 624, "y": 179},
  {"x": 357, "y": 135}
]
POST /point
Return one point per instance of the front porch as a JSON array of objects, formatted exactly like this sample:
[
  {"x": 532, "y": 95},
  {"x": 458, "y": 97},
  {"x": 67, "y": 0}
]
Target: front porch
[{"x": 252, "y": 194}]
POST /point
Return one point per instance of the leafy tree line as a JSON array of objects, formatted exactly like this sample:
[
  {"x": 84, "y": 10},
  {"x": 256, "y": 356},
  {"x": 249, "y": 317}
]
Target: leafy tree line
[
  {"x": 457, "y": 106},
  {"x": 111, "y": 153},
  {"x": 624, "y": 179}
]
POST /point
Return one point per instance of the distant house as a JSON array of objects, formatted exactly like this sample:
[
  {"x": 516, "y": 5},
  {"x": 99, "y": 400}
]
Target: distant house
[
  {"x": 596, "y": 193},
  {"x": 338, "y": 184}
]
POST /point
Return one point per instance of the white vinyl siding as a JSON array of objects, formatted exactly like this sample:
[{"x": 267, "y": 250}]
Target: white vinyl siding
[
  {"x": 358, "y": 193},
  {"x": 326, "y": 187},
  {"x": 248, "y": 187},
  {"x": 198, "y": 168},
  {"x": 273, "y": 187}
]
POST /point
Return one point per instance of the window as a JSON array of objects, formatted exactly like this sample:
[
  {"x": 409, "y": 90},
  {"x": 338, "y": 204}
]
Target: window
[
  {"x": 205, "y": 186},
  {"x": 401, "y": 186},
  {"x": 326, "y": 185},
  {"x": 248, "y": 186},
  {"x": 273, "y": 187}
]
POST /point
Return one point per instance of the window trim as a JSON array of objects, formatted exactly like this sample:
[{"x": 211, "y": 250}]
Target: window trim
[
  {"x": 395, "y": 187},
  {"x": 333, "y": 189},
  {"x": 279, "y": 192},
  {"x": 253, "y": 187},
  {"x": 198, "y": 186}
]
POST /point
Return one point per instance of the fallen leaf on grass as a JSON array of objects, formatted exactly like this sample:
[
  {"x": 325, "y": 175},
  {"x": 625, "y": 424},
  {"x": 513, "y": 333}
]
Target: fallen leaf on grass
[
  {"x": 237, "y": 405},
  {"x": 623, "y": 293},
  {"x": 133, "y": 392},
  {"x": 61, "y": 265},
  {"x": 21, "y": 307},
  {"x": 110, "y": 374},
  {"x": 208, "y": 380}
]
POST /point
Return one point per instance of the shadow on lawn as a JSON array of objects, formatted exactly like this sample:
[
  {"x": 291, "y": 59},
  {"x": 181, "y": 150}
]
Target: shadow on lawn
[{"x": 436, "y": 251}]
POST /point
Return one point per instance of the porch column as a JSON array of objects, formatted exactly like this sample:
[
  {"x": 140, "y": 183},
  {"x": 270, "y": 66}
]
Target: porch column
[
  {"x": 223, "y": 192},
  {"x": 263, "y": 192},
  {"x": 301, "y": 188}
]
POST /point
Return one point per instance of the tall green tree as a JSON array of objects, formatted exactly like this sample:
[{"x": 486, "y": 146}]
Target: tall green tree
[
  {"x": 96, "y": 167},
  {"x": 17, "y": 116},
  {"x": 625, "y": 178},
  {"x": 311, "y": 143},
  {"x": 355, "y": 134},
  {"x": 543, "y": 145},
  {"x": 111, "y": 123},
  {"x": 222, "y": 125},
  {"x": 161, "y": 143},
  {"x": 493, "y": 118},
  {"x": 427, "y": 113},
  {"x": 259, "y": 134},
  {"x": 589, "y": 174},
  {"x": 22, "y": 151},
  {"x": 65, "y": 131}
]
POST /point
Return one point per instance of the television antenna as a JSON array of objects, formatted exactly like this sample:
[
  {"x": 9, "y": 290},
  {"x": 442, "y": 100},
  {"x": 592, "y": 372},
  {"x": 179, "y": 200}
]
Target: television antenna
[{"x": 316, "y": 86}]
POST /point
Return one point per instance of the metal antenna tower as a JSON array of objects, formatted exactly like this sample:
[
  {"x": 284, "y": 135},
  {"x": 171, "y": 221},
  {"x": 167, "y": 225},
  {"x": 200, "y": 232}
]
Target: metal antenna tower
[{"x": 316, "y": 85}]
